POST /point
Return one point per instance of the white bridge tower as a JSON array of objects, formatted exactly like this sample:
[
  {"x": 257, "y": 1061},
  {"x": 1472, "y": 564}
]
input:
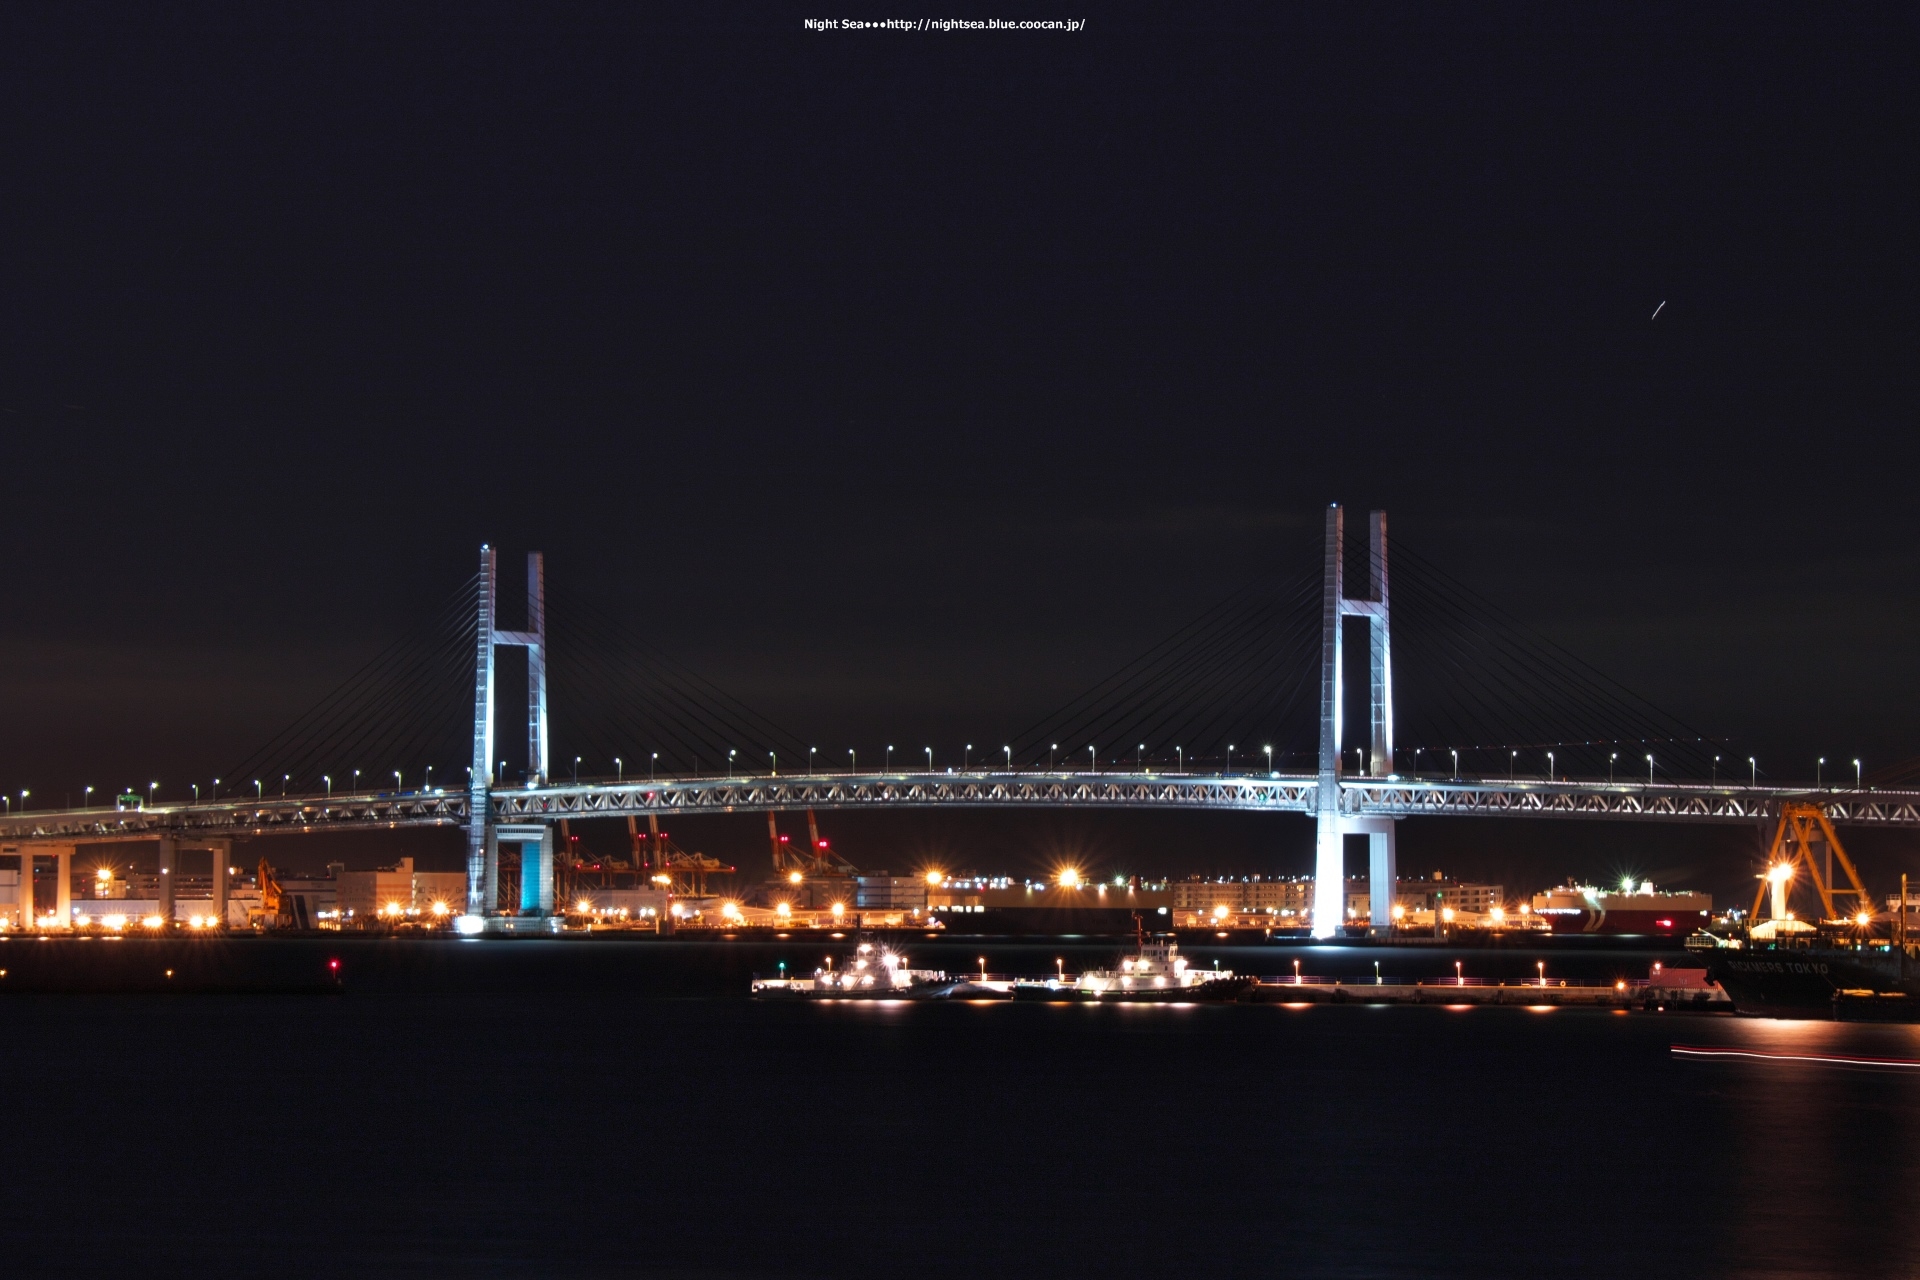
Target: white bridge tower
[
  {"x": 483, "y": 837},
  {"x": 1331, "y": 823}
]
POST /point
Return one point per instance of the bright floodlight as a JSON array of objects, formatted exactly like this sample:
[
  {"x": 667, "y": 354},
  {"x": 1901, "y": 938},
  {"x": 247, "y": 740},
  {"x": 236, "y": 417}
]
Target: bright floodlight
[
  {"x": 1070, "y": 878},
  {"x": 469, "y": 925},
  {"x": 1781, "y": 871}
]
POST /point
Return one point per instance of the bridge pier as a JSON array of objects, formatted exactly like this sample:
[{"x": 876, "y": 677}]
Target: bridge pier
[
  {"x": 169, "y": 858},
  {"x": 222, "y": 851},
  {"x": 62, "y": 885},
  {"x": 536, "y": 865},
  {"x": 25, "y": 897},
  {"x": 1382, "y": 870}
]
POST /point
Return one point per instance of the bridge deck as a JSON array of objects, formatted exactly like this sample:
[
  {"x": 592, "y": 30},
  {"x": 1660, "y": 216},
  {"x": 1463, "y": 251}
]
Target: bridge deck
[{"x": 1283, "y": 793}]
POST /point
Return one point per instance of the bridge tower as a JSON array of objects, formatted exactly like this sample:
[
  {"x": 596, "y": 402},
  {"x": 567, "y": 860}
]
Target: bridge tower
[
  {"x": 1330, "y": 824},
  {"x": 483, "y": 838}
]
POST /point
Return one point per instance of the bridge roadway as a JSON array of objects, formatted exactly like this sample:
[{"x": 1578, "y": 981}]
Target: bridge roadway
[{"x": 1361, "y": 797}]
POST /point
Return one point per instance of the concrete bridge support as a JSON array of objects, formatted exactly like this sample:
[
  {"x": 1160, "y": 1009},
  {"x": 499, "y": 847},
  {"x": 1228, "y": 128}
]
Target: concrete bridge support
[
  {"x": 536, "y": 865},
  {"x": 26, "y": 916},
  {"x": 169, "y": 862}
]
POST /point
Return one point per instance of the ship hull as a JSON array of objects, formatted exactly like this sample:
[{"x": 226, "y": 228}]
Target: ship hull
[
  {"x": 1659, "y": 924},
  {"x": 1225, "y": 989},
  {"x": 1817, "y": 984}
]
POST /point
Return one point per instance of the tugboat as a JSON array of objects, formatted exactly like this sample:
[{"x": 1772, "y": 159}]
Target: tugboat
[
  {"x": 872, "y": 973},
  {"x": 1155, "y": 972}
]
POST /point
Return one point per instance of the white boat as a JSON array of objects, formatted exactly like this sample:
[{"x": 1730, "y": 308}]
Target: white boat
[
  {"x": 1155, "y": 971},
  {"x": 873, "y": 972}
]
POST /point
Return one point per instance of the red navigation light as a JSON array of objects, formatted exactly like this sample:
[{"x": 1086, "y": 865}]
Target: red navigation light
[
  {"x": 1664, "y": 924},
  {"x": 823, "y": 844},
  {"x": 783, "y": 839},
  {"x": 333, "y": 964}
]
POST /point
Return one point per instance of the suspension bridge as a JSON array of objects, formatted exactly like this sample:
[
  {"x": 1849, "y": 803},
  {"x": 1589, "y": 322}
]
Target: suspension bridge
[{"x": 1171, "y": 730}]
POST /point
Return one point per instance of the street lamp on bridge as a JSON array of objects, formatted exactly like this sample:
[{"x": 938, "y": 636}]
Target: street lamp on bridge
[
  {"x": 325, "y": 777},
  {"x": 1856, "y": 775},
  {"x": 966, "y": 757},
  {"x": 889, "y": 768},
  {"x": 1093, "y": 758},
  {"x": 1611, "y": 761},
  {"x": 929, "y": 751},
  {"x": 1456, "y": 763},
  {"x": 1820, "y": 773},
  {"x": 399, "y": 784},
  {"x": 1269, "y": 751},
  {"x": 619, "y": 770},
  {"x": 1649, "y": 770},
  {"x": 152, "y": 787},
  {"x": 1753, "y": 773},
  {"x": 811, "y": 751},
  {"x": 731, "y": 753},
  {"x": 1549, "y": 766},
  {"x": 1009, "y": 751}
]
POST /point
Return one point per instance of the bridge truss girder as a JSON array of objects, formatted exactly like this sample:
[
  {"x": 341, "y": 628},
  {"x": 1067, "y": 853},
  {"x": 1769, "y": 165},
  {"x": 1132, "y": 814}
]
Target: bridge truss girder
[{"x": 1283, "y": 793}]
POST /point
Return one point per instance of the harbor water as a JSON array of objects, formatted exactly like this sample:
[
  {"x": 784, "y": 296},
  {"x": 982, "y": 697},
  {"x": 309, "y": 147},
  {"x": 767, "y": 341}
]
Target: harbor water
[{"x": 601, "y": 1129}]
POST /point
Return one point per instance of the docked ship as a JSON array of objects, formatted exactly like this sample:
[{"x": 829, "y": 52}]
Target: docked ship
[
  {"x": 871, "y": 973},
  {"x": 1572, "y": 908},
  {"x": 1818, "y": 976},
  {"x": 1156, "y": 971}
]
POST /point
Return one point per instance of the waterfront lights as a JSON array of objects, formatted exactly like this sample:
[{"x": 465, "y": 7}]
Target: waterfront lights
[
  {"x": 1863, "y": 919},
  {"x": 1220, "y": 911},
  {"x": 104, "y": 875},
  {"x": 1499, "y": 915},
  {"x": 583, "y": 906},
  {"x": 1541, "y": 965},
  {"x": 1446, "y": 914},
  {"x": 794, "y": 877},
  {"x": 1069, "y": 878},
  {"x": 153, "y": 922},
  {"x": 782, "y": 910},
  {"x": 441, "y": 909},
  {"x": 469, "y": 925},
  {"x": 1780, "y": 871},
  {"x": 1399, "y": 912},
  {"x": 114, "y": 922},
  {"x": 730, "y": 911},
  {"x": 934, "y": 878},
  {"x": 839, "y": 909}
]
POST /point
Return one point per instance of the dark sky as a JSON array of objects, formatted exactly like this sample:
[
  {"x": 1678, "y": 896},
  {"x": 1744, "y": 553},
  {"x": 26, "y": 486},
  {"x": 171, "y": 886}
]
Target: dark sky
[{"x": 906, "y": 382}]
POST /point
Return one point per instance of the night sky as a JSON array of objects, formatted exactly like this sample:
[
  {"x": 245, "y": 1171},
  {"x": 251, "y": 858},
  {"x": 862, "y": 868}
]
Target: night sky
[{"x": 906, "y": 383}]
